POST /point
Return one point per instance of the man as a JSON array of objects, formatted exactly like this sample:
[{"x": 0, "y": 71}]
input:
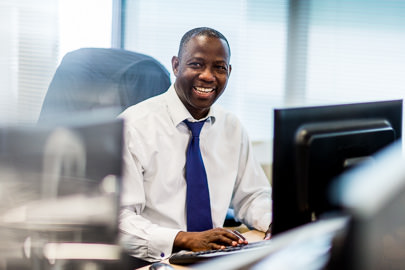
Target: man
[{"x": 153, "y": 221}]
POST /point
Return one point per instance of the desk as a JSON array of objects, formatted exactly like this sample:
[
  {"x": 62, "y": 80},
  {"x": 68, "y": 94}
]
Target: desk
[{"x": 251, "y": 236}]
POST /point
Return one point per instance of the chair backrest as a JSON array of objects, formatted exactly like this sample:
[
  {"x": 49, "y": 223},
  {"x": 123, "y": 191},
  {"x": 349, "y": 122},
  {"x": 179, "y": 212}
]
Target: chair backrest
[{"x": 99, "y": 78}]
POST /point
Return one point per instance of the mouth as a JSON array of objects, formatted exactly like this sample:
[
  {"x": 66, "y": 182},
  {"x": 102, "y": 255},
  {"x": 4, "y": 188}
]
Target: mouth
[{"x": 204, "y": 90}]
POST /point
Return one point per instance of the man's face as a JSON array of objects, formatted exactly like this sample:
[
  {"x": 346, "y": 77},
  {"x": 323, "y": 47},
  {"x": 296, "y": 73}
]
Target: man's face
[{"x": 202, "y": 73}]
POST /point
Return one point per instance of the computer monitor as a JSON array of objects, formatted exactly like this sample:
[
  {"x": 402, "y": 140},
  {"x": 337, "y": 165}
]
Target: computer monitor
[
  {"x": 313, "y": 145},
  {"x": 63, "y": 179}
]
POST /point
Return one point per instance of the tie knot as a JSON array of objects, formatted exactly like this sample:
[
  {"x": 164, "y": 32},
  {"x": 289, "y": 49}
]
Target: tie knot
[{"x": 195, "y": 127}]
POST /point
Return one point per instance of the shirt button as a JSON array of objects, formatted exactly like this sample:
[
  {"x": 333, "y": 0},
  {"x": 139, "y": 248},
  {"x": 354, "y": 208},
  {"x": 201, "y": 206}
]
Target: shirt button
[{"x": 162, "y": 254}]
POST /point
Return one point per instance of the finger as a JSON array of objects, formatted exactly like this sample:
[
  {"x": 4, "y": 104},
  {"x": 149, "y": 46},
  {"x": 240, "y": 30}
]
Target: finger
[
  {"x": 240, "y": 235},
  {"x": 242, "y": 239},
  {"x": 230, "y": 234},
  {"x": 231, "y": 238},
  {"x": 224, "y": 239},
  {"x": 217, "y": 246}
]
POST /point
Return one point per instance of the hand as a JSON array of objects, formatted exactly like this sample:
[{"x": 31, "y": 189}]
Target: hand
[
  {"x": 217, "y": 238},
  {"x": 267, "y": 235}
]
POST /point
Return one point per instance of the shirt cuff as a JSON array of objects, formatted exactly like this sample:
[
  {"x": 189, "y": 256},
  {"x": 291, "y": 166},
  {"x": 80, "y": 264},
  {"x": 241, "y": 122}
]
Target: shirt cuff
[{"x": 161, "y": 242}]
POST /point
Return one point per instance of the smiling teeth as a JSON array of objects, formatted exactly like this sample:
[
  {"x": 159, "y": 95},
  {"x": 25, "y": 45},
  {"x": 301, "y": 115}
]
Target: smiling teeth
[{"x": 204, "y": 90}]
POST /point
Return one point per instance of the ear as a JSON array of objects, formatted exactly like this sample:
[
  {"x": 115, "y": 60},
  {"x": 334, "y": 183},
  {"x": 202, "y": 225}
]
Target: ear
[
  {"x": 229, "y": 70},
  {"x": 175, "y": 65}
]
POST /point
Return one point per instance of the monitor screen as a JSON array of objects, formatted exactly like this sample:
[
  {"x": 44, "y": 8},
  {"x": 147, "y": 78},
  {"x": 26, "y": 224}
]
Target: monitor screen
[
  {"x": 313, "y": 145},
  {"x": 62, "y": 179}
]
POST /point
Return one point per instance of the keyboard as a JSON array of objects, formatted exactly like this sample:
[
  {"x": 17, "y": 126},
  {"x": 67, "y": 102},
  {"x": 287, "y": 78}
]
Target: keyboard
[
  {"x": 190, "y": 257},
  {"x": 314, "y": 240},
  {"x": 306, "y": 247}
]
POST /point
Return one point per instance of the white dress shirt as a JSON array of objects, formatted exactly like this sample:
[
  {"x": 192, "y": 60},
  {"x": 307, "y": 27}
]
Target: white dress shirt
[{"x": 154, "y": 185}]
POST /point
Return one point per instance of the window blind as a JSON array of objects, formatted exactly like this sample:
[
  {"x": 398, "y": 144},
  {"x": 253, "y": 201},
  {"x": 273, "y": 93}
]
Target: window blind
[
  {"x": 29, "y": 50},
  {"x": 35, "y": 37},
  {"x": 256, "y": 33},
  {"x": 356, "y": 51}
]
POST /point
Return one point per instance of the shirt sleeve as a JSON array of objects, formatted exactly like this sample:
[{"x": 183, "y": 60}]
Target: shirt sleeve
[
  {"x": 139, "y": 236},
  {"x": 252, "y": 194},
  {"x": 142, "y": 239}
]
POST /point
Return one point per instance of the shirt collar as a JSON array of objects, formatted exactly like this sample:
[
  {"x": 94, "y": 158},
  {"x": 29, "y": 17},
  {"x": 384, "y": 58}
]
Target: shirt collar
[{"x": 178, "y": 112}]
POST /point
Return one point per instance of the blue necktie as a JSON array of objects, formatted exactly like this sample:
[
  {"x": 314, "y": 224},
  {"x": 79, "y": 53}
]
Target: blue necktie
[{"x": 197, "y": 197}]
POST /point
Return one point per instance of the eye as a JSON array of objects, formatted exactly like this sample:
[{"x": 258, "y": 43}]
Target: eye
[
  {"x": 195, "y": 65},
  {"x": 222, "y": 68}
]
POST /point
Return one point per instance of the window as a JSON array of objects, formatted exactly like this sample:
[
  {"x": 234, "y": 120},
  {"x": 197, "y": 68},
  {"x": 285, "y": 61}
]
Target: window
[
  {"x": 84, "y": 24},
  {"x": 35, "y": 37},
  {"x": 256, "y": 33},
  {"x": 356, "y": 50},
  {"x": 29, "y": 56},
  {"x": 284, "y": 52},
  {"x": 342, "y": 51}
]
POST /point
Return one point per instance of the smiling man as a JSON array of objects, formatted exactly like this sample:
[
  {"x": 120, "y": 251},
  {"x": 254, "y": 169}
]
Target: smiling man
[
  {"x": 202, "y": 70},
  {"x": 161, "y": 212}
]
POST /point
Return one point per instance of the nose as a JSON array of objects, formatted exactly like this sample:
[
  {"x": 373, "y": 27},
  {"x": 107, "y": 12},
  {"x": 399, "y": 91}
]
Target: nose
[{"x": 207, "y": 75}]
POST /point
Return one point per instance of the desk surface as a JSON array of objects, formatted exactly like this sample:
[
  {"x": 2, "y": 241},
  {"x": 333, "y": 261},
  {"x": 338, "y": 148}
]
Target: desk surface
[{"x": 251, "y": 236}]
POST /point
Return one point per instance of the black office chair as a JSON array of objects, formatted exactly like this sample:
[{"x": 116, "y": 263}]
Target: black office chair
[{"x": 99, "y": 78}]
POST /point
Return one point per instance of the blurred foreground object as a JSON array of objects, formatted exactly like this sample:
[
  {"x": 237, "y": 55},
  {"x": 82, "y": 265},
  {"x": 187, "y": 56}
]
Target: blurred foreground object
[
  {"x": 60, "y": 193},
  {"x": 374, "y": 196}
]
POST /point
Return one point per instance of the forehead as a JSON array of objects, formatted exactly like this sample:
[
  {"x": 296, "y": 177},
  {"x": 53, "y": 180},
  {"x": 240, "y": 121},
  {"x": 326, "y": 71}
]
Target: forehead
[{"x": 206, "y": 46}]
